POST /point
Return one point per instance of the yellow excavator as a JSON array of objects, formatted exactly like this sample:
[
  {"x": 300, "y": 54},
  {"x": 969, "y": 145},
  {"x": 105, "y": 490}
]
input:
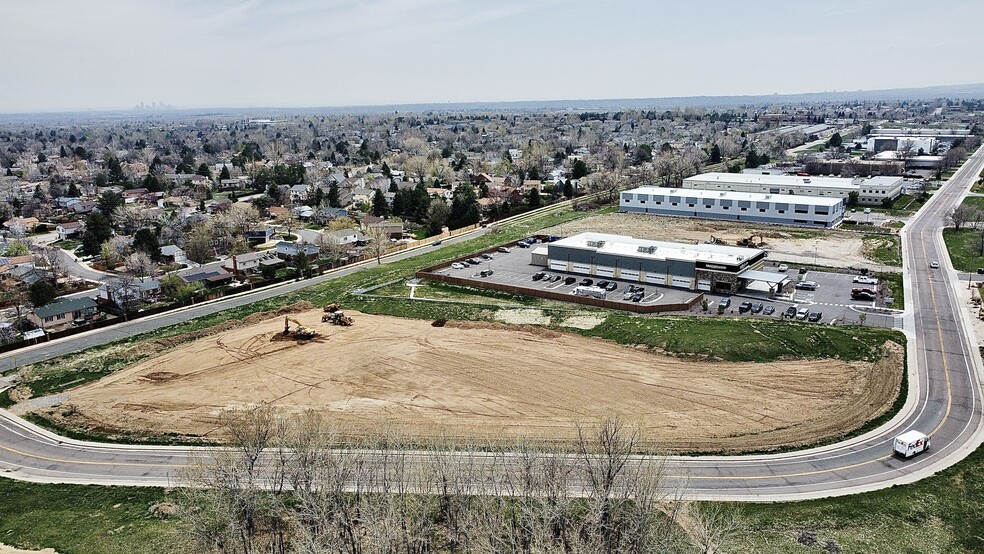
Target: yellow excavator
[{"x": 299, "y": 331}]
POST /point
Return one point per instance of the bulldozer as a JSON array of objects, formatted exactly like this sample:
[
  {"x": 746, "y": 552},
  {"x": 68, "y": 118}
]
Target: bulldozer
[
  {"x": 332, "y": 308},
  {"x": 750, "y": 241},
  {"x": 299, "y": 332},
  {"x": 338, "y": 318}
]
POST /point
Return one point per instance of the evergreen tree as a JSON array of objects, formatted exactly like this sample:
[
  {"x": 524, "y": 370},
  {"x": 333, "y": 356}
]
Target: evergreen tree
[
  {"x": 333, "y": 199},
  {"x": 533, "y": 198},
  {"x": 224, "y": 174},
  {"x": 568, "y": 189},
  {"x": 145, "y": 240},
  {"x": 97, "y": 231},
  {"x": 379, "y": 206}
]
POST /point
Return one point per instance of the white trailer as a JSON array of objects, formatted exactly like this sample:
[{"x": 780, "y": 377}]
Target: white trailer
[
  {"x": 910, "y": 443},
  {"x": 592, "y": 292}
]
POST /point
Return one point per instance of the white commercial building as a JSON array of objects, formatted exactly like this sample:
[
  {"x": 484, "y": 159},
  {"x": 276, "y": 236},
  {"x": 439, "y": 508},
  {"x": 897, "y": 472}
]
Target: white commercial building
[
  {"x": 783, "y": 209},
  {"x": 871, "y": 190},
  {"x": 705, "y": 267}
]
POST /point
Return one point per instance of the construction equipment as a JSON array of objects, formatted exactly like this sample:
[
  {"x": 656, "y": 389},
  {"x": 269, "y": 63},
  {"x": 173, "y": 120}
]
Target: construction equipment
[
  {"x": 338, "y": 318},
  {"x": 714, "y": 240},
  {"x": 332, "y": 308},
  {"x": 299, "y": 331},
  {"x": 750, "y": 241}
]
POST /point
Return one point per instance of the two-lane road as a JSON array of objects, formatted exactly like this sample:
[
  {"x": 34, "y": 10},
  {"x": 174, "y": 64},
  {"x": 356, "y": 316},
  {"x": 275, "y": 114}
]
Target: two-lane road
[{"x": 944, "y": 400}]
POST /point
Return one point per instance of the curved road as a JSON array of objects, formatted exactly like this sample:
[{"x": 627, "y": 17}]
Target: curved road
[{"x": 944, "y": 400}]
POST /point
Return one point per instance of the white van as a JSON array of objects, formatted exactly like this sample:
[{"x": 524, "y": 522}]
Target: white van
[{"x": 910, "y": 443}]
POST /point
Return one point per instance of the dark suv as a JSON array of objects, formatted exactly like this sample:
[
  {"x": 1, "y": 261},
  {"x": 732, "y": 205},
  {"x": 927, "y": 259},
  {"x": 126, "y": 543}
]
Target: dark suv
[{"x": 744, "y": 307}]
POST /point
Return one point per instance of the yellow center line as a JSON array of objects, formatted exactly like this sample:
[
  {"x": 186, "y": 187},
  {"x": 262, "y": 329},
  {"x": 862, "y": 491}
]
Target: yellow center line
[{"x": 939, "y": 333}]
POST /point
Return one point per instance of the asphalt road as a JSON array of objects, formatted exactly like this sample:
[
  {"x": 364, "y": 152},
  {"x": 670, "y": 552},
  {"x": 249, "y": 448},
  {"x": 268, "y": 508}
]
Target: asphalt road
[{"x": 944, "y": 400}]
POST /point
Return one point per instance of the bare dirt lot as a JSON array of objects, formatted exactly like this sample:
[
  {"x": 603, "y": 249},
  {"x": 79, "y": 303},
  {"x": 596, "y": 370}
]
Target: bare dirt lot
[
  {"x": 484, "y": 382},
  {"x": 834, "y": 248}
]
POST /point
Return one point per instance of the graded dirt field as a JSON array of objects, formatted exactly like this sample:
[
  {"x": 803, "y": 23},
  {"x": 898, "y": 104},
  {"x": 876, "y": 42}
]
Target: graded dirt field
[
  {"x": 835, "y": 248},
  {"x": 484, "y": 382}
]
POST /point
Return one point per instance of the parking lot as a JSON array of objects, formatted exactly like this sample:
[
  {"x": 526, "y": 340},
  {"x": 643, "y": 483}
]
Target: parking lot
[
  {"x": 514, "y": 268},
  {"x": 831, "y": 299}
]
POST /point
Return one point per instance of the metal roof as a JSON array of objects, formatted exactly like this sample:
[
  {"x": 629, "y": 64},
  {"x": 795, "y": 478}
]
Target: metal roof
[{"x": 764, "y": 276}]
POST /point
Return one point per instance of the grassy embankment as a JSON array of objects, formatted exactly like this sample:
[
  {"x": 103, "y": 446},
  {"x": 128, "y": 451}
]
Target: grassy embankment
[{"x": 966, "y": 246}]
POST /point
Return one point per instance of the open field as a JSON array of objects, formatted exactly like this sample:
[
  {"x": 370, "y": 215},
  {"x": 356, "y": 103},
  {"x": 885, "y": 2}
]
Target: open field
[
  {"x": 486, "y": 382},
  {"x": 831, "y": 248}
]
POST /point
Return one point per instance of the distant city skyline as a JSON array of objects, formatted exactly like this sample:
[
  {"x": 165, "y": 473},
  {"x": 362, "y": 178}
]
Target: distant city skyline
[{"x": 118, "y": 54}]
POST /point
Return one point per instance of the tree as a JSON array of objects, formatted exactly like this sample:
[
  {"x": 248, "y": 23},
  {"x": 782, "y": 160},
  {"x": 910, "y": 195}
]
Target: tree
[
  {"x": 73, "y": 191},
  {"x": 139, "y": 263},
  {"x": 97, "y": 231},
  {"x": 41, "y": 293},
  {"x": 378, "y": 240},
  {"x": 568, "y": 189},
  {"x": 852, "y": 198},
  {"x": 199, "y": 245},
  {"x": 533, "y": 198},
  {"x": 16, "y": 248},
  {"x": 224, "y": 174},
  {"x": 204, "y": 171},
  {"x": 146, "y": 241},
  {"x": 109, "y": 201},
  {"x": 835, "y": 140},
  {"x": 334, "y": 200},
  {"x": 437, "y": 216},
  {"x": 465, "y": 210},
  {"x": 176, "y": 288},
  {"x": 961, "y": 215},
  {"x": 123, "y": 292},
  {"x": 715, "y": 154},
  {"x": 579, "y": 169},
  {"x": 380, "y": 208}
]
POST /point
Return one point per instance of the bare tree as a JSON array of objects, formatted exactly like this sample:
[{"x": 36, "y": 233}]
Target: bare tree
[
  {"x": 960, "y": 216},
  {"x": 378, "y": 240},
  {"x": 139, "y": 263}
]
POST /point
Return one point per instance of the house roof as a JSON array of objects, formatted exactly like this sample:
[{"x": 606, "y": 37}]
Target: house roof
[{"x": 64, "y": 306}]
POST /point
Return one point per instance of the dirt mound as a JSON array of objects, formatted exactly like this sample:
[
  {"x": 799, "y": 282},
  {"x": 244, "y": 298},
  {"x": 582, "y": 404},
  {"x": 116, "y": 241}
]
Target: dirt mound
[
  {"x": 480, "y": 382},
  {"x": 159, "y": 345}
]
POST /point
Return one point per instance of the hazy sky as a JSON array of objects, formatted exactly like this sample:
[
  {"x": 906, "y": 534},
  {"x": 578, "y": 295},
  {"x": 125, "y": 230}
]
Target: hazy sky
[{"x": 95, "y": 54}]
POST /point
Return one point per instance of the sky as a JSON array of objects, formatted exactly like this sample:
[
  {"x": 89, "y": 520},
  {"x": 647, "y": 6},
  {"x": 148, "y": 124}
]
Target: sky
[{"x": 62, "y": 55}]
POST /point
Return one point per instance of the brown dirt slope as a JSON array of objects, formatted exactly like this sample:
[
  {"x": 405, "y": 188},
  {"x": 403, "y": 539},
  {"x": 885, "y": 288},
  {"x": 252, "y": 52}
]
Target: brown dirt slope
[{"x": 484, "y": 382}]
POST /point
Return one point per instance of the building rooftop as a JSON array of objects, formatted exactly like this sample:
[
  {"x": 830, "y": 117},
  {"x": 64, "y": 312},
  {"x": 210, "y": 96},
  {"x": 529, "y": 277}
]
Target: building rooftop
[
  {"x": 779, "y": 180},
  {"x": 64, "y": 305},
  {"x": 622, "y": 245},
  {"x": 733, "y": 195}
]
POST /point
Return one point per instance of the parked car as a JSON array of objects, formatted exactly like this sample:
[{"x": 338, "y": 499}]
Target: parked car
[
  {"x": 864, "y": 280},
  {"x": 504, "y": 249},
  {"x": 757, "y": 307},
  {"x": 725, "y": 302},
  {"x": 570, "y": 281},
  {"x": 486, "y": 256},
  {"x": 815, "y": 316},
  {"x": 586, "y": 282},
  {"x": 744, "y": 307},
  {"x": 611, "y": 286},
  {"x": 807, "y": 285},
  {"x": 539, "y": 275},
  {"x": 803, "y": 271},
  {"x": 638, "y": 296},
  {"x": 769, "y": 310},
  {"x": 457, "y": 265},
  {"x": 485, "y": 273},
  {"x": 474, "y": 261},
  {"x": 523, "y": 244},
  {"x": 783, "y": 268},
  {"x": 802, "y": 314},
  {"x": 554, "y": 278},
  {"x": 790, "y": 312},
  {"x": 602, "y": 284}
]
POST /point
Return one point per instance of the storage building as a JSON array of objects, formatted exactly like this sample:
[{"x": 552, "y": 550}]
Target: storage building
[
  {"x": 704, "y": 267},
  {"x": 784, "y": 209},
  {"x": 871, "y": 190}
]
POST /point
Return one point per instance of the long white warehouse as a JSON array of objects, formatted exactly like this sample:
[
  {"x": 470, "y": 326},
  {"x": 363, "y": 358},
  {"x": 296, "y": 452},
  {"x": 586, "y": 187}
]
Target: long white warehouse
[
  {"x": 783, "y": 209},
  {"x": 871, "y": 190}
]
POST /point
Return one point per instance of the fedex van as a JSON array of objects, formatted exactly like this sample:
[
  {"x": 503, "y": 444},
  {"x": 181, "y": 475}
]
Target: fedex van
[{"x": 910, "y": 443}]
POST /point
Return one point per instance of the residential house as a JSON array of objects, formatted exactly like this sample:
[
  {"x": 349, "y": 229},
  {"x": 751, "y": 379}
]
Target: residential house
[
  {"x": 299, "y": 193},
  {"x": 117, "y": 291},
  {"x": 287, "y": 250},
  {"x": 173, "y": 254},
  {"x": 303, "y": 212},
  {"x": 259, "y": 235},
  {"x": 362, "y": 195},
  {"x": 131, "y": 196},
  {"x": 28, "y": 224},
  {"x": 253, "y": 262},
  {"x": 394, "y": 229},
  {"x": 346, "y": 237},
  {"x": 326, "y": 214},
  {"x": 84, "y": 207},
  {"x": 232, "y": 184},
  {"x": 210, "y": 275},
  {"x": 63, "y": 311},
  {"x": 69, "y": 229},
  {"x": 218, "y": 205}
]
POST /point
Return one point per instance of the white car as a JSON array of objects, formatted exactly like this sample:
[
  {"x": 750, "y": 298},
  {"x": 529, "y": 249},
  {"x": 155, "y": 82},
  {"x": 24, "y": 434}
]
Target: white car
[
  {"x": 865, "y": 280},
  {"x": 934, "y": 265},
  {"x": 456, "y": 265},
  {"x": 783, "y": 268},
  {"x": 802, "y": 314}
]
